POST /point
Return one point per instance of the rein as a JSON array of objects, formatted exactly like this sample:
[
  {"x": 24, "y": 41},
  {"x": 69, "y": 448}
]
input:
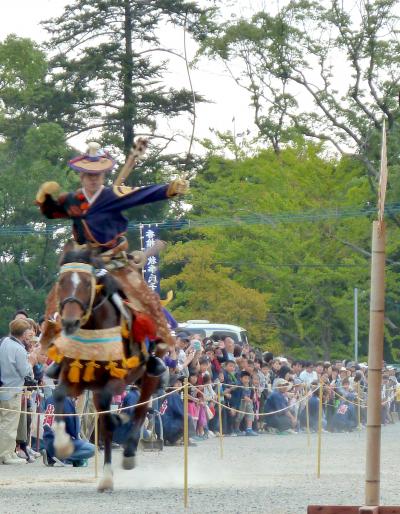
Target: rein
[{"x": 80, "y": 267}]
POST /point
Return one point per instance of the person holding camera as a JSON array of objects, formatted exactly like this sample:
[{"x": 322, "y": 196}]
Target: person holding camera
[{"x": 15, "y": 367}]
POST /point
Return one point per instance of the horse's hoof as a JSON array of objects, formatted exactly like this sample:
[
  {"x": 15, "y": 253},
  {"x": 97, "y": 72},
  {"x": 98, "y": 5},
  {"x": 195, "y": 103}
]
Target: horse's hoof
[
  {"x": 106, "y": 484},
  {"x": 129, "y": 462}
]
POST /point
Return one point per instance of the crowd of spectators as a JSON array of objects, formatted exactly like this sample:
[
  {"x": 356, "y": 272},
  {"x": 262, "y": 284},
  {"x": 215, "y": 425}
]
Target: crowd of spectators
[
  {"x": 256, "y": 391},
  {"x": 261, "y": 393}
]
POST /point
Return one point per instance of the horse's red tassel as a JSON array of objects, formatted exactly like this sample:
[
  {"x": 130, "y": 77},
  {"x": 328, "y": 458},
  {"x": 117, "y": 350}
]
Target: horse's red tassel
[{"x": 143, "y": 327}]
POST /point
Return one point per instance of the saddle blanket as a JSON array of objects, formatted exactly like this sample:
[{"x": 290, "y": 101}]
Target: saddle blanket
[{"x": 92, "y": 345}]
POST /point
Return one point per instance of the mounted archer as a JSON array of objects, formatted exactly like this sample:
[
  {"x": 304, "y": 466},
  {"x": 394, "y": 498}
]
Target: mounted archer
[{"x": 99, "y": 225}]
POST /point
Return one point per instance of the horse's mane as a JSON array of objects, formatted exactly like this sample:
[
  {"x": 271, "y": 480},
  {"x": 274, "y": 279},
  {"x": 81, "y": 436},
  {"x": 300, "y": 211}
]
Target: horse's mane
[{"x": 85, "y": 256}]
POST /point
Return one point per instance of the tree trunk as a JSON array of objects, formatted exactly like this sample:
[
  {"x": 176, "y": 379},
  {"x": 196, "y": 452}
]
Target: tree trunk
[{"x": 128, "y": 111}]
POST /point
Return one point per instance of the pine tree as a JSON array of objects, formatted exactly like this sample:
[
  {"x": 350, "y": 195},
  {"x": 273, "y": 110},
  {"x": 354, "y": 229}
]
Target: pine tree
[{"x": 109, "y": 48}]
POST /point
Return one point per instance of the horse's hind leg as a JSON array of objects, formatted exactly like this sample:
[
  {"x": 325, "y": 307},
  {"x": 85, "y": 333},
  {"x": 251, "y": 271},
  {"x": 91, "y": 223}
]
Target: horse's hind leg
[
  {"x": 102, "y": 401},
  {"x": 63, "y": 445},
  {"x": 149, "y": 385}
]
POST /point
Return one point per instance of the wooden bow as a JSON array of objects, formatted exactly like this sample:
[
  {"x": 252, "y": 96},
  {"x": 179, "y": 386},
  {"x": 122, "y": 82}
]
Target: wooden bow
[{"x": 138, "y": 149}]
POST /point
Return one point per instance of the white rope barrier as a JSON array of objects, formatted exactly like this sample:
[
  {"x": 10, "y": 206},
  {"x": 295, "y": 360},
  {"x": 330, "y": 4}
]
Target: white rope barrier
[
  {"x": 228, "y": 386},
  {"x": 267, "y": 413},
  {"x": 99, "y": 412}
]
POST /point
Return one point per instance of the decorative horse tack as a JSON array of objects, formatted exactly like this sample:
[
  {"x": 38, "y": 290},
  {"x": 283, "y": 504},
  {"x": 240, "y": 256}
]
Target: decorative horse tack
[
  {"x": 79, "y": 267},
  {"x": 96, "y": 348}
]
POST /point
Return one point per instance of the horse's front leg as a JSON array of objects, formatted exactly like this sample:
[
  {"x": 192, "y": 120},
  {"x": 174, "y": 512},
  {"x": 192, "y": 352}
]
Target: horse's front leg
[
  {"x": 102, "y": 401},
  {"x": 63, "y": 446},
  {"x": 149, "y": 385}
]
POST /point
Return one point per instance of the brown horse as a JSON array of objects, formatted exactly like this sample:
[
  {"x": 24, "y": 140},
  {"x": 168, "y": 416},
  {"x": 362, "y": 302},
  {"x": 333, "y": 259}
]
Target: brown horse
[{"x": 93, "y": 354}]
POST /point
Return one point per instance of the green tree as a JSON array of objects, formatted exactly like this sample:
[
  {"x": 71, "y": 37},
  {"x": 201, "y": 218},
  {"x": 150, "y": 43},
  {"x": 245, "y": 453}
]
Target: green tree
[
  {"x": 260, "y": 237},
  {"x": 28, "y": 96},
  {"x": 327, "y": 70},
  {"x": 108, "y": 48},
  {"x": 33, "y": 149}
]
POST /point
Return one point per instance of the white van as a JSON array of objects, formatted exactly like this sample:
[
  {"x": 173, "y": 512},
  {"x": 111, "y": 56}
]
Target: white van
[{"x": 214, "y": 330}]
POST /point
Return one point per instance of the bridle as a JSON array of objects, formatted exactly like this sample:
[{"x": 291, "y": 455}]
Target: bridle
[{"x": 80, "y": 267}]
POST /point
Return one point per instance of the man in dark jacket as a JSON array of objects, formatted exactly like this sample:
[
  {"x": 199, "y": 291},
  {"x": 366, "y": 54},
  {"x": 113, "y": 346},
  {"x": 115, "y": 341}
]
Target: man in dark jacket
[
  {"x": 83, "y": 450},
  {"x": 281, "y": 420},
  {"x": 172, "y": 415}
]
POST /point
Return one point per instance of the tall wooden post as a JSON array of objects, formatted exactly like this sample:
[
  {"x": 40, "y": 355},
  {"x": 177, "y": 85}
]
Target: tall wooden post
[
  {"x": 221, "y": 432},
  {"x": 376, "y": 337},
  {"x": 96, "y": 445},
  {"x": 308, "y": 417},
  {"x": 319, "y": 430},
  {"x": 185, "y": 442},
  {"x": 375, "y": 356}
]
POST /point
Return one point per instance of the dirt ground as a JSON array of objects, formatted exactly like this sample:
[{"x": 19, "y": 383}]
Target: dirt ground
[{"x": 269, "y": 474}]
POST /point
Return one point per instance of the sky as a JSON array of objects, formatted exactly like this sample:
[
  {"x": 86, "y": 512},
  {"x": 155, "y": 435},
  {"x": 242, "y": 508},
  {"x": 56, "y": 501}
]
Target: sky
[
  {"x": 228, "y": 107},
  {"x": 226, "y": 100}
]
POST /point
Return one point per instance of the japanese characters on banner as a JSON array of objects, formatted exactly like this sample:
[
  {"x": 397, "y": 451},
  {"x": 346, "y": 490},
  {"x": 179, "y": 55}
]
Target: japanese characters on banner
[{"x": 151, "y": 271}]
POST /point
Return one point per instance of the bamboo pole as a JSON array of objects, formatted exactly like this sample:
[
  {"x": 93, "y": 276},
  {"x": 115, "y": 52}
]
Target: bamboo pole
[
  {"x": 375, "y": 356},
  {"x": 185, "y": 442},
  {"x": 38, "y": 411},
  {"x": 319, "y": 431},
  {"x": 96, "y": 445},
  {"x": 221, "y": 435},
  {"x": 308, "y": 419}
]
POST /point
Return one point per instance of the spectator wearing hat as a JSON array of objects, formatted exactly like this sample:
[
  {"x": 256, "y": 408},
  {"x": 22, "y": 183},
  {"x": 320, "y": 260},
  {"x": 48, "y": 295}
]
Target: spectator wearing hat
[
  {"x": 283, "y": 421},
  {"x": 342, "y": 376},
  {"x": 313, "y": 410},
  {"x": 14, "y": 367}
]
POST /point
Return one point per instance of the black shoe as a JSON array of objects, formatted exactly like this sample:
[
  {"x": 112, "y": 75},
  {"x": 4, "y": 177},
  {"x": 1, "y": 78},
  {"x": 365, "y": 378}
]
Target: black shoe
[
  {"x": 155, "y": 366},
  {"x": 53, "y": 371}
]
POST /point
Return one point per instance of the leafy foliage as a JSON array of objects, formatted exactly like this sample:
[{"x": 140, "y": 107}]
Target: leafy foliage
[{"x": 304, "y": 272}]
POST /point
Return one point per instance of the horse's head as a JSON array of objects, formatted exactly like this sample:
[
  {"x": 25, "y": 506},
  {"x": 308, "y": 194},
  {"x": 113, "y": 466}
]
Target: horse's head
[{"x": 76, "y": 289}]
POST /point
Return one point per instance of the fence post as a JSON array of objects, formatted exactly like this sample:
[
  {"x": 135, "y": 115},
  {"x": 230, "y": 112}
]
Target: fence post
[
  {"x": 96, "y": 445},
  {"x": 221, "y": 435},
  {"x": 185, "y": 442},
  {"x": 319, "y": 431},
  {"x": 308, "y": 418},
  {"x": 38, "y": 410}
]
